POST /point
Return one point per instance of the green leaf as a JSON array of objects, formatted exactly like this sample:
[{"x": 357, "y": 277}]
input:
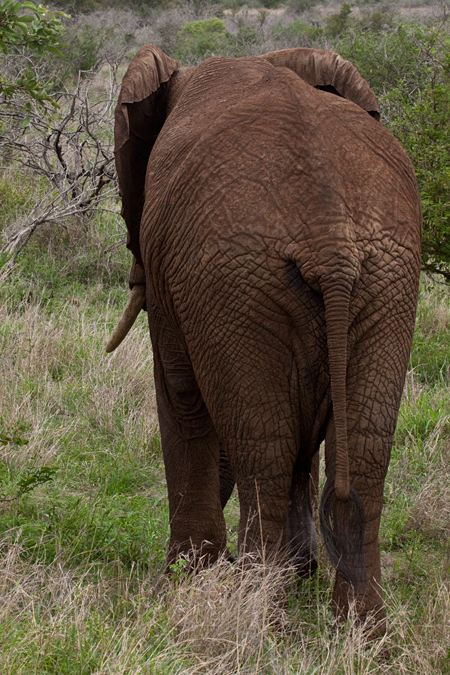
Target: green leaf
[
  {"x": 55, "y": 50},
  {"x": 43, "y": 475},
  {"x": 21, "y": 24},
  {"x": 4, "y": 440}
]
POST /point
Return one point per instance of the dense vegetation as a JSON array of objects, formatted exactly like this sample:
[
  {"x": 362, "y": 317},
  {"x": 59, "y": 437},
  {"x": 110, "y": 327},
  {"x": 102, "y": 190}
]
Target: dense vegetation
[{"x": 83, "y": 521}]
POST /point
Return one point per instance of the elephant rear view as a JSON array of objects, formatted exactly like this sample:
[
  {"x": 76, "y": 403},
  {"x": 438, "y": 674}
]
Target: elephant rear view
[{"x": 275, "y": 226}]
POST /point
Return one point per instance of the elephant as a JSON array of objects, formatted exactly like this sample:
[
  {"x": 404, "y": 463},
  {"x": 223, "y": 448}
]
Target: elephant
[{"x": 275, "y": 226}]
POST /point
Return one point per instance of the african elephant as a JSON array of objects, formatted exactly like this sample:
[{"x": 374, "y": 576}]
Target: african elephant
[{"x": 275, "y": 226}]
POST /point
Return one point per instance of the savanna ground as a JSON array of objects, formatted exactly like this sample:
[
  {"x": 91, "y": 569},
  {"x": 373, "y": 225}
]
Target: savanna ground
[{"x": 83, "y": 516}]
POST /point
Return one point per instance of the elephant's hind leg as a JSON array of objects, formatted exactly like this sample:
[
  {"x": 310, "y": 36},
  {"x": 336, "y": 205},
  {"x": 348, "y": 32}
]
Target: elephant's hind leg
[
  {"x": 261, "y": 442},
  {"x": 190, "y": 448},
  {"x": 375, "y": 378}
]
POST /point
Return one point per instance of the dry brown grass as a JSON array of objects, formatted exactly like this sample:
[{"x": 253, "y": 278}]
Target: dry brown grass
[
  {"x": 430, "y": 512},
  {"x": 427, "y": 408},
  {"x": 222, "y": 621},
  {"x": 55, "y": 374},
  {"x": 225, "y": 616},
  {"x": 229, "y": 620}
]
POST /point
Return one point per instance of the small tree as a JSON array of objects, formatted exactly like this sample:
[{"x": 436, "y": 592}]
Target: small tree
[
  {"x": 69, "y": 151},
  {"x": 337, "y": 23}
]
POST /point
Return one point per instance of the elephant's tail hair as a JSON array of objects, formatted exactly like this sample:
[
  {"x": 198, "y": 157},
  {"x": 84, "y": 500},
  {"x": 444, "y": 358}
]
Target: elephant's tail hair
[{"x": 342, "y": 527}]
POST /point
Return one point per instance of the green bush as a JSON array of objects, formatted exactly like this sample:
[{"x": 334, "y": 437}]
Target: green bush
[
  {"x": 247, "y": 40},
  {"x": 84, "y": 47},
  {"x": 378, "y": 20},
  {"x": 423, "y": 129},
  {"x": 385, "y": 60},
  {"x": 198, "y": 40},
  {"x": 337, "y": 23},
  {"x": 33, "y": 30},
  {"x": 301, "y": 5},
  {"x": 409, "y": 70},
  {"x": 269, "y": 4}
]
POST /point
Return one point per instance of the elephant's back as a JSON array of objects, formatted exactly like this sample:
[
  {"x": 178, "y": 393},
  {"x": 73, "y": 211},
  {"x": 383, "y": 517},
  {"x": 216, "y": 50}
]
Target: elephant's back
[
  {"x": 278, "y": 170},
  {"x": 258, "y": 143}
]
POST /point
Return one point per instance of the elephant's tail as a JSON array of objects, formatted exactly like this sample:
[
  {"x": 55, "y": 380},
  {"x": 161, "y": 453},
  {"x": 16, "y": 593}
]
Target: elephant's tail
[{"x": 341, "y": 512}]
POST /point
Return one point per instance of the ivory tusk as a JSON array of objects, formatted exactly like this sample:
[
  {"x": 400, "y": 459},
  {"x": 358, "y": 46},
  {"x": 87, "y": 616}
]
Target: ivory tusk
[{"x": 130, "y": 313}]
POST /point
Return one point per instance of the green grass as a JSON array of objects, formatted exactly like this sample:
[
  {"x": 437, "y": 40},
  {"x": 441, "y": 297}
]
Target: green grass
[{"x": 430, "y": 356}]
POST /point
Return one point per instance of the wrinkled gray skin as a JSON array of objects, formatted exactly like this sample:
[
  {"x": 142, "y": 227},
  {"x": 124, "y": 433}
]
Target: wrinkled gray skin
[{"x": 280, "y": 249}]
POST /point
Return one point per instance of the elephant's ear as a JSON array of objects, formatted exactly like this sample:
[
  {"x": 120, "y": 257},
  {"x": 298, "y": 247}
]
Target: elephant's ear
[
  {"x": 139, "y": 116},
  {"x": 148, "y": 70},
  {"x": 329, "y": 71}
]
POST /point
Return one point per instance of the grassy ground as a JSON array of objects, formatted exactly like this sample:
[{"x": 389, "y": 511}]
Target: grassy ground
[{"x": 82, "y": 555}]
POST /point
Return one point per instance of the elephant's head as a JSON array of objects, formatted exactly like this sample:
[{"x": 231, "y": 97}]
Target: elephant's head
[{"x": 150, "y": 90}]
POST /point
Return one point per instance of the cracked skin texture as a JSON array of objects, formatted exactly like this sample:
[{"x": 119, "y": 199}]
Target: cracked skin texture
[{"x": 262, "y": 195}]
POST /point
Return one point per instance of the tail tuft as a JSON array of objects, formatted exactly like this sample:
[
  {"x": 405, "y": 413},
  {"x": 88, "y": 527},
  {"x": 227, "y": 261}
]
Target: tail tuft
[{"x": 342, "y": 526}]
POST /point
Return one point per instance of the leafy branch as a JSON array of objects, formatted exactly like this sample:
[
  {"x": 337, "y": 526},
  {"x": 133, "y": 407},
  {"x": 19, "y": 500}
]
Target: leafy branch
[
  {"x": 23, "y": 25},
  {"x": 30, "y": 482}
]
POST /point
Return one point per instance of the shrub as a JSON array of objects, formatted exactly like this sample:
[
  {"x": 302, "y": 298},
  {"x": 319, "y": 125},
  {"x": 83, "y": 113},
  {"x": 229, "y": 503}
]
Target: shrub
[
  {"x": 83, "y": 48},
  {"x": 337, "y": 23},
  {"x": 299, "y": 6},
  {"x": 198, "y": 40},
  {"x": 26, "y": 28},
  {"x": 248, "y": 40},
  {"x": 409, "y": 70}
]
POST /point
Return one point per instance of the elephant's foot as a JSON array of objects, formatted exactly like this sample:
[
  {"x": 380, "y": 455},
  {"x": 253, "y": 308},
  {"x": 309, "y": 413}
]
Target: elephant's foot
[
  {"x": 368, "y": 607},
  {"x": 192, "y": 559}
]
